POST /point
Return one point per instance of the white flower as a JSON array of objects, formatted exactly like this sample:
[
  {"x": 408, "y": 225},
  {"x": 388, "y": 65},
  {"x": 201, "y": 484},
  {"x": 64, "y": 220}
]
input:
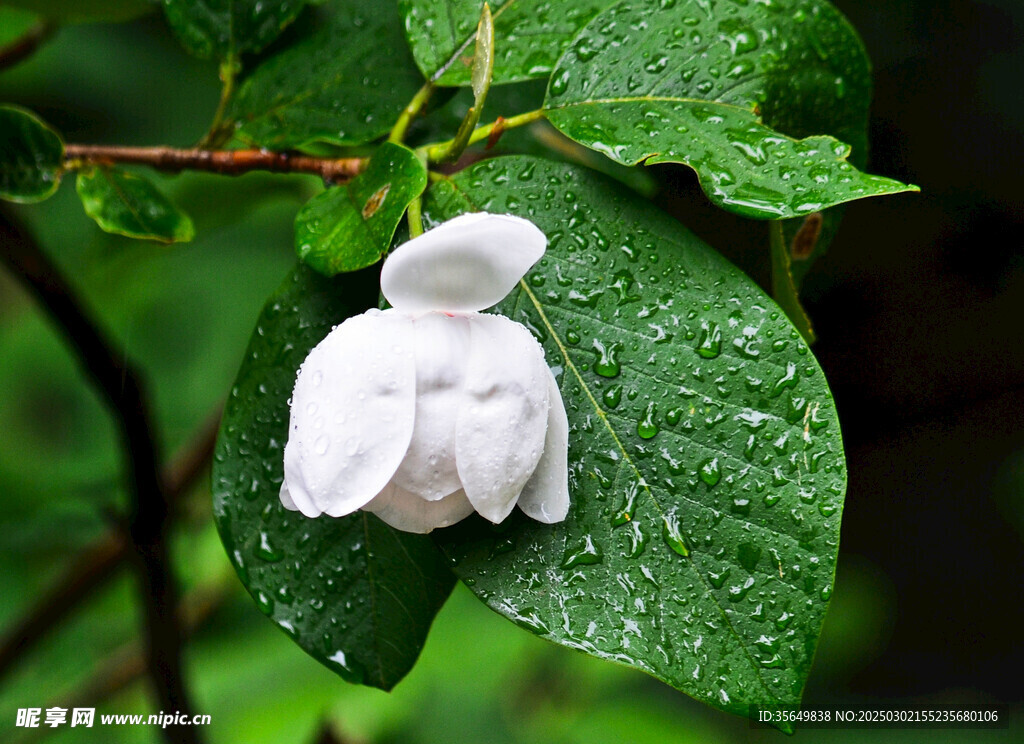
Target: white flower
[{"x": 426, "y": 412}]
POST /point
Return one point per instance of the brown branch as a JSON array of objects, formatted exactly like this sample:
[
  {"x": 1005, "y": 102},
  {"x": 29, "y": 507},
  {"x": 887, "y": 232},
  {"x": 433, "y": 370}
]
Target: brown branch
[
  {"x": 120, "y": 386},
  {"x": 224, "y": 162},
  {"x": 26, "y": 44},
  {"x": 98, "y": 563}
]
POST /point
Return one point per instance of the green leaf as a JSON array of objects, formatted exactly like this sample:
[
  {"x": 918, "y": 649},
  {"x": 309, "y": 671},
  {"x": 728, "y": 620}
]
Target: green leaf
[
  {"x": 355, "y": 594},
  {"x": 706, "y": 464},
  {"x": 228, "y": 28},
  {"x": 688, "y": 83},
  {"x": 529, "y": 34},
  {"x": 31, "y": 156},
  {"x": 126, "y": 204},
  {"x": 344, "y": 85},
  {"x": 350, "y": 227}
]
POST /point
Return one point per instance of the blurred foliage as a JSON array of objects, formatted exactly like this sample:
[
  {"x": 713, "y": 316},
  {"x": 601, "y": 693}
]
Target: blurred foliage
[{"x": 185, "y": 313}]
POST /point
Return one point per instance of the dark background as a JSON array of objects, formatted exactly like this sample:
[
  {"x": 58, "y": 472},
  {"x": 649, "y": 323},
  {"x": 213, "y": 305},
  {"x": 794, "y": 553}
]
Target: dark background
[{"x": 918, "y": 305}]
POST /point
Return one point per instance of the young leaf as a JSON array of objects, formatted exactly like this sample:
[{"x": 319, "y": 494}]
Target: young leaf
[
  {"x": 483, "y": 69},
  {"x": 31, "y": 156},
  {"x": 345, "y": 85},
  {"x": 529, "y": 34},
  {"x": 705, "y": 459},
  {"x": 645, "y": 83},
  {"x": 350, "y": 227},
  {"x": 228, "y": 28},
  {"x": 126, "y": 204},
  {"x": 355, "y": 594}
]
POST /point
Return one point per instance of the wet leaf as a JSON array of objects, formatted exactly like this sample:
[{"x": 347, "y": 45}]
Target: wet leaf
[
  {"x": 345, "y": 85},
  {"x": 31, "y": 156},
  {"x": 350, "y": 227},
  {"x": 355, "y": 594},
  {"x": 727, "y": 90},
  {"x": 127, "y": 204},
  {"x": 529, "y": 36},
  {"x": 705, "y": 459},
  {"x": 228, "y": 28}
]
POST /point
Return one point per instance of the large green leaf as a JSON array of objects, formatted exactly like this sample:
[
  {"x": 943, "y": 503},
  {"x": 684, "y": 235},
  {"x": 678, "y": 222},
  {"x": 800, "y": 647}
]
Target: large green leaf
[
  {"x": 344, "y": 85},
  {"x": 715, "y": 87},
  {"x": 705, "y": 459},
  {"x": 127, "y": 204},
  {"x": 350, "y": 227},
  {"x": 352, "y": 592},
  {"x": 228, "y": 28},
  {"x": 529, "y": 36},
  {"x": 31, "y": 156}
]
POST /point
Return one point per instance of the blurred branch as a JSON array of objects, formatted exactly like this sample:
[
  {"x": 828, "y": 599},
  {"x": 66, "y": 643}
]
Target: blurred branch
[
  {"x": 97, "y": 564},
  {"x": 127, "y": 664},
  {"x": 224, "y": 162},
  {"x": 26, "y": 45},
  {"x": 120, "y": 386}
]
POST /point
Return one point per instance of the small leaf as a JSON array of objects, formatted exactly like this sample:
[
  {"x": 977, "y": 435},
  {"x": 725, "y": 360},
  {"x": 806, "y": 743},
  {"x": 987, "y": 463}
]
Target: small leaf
[
  {"x": 126, "y": 204},
  {"x": 647, "y": 83},
  {"x": 345, "y": 85},
  {"x": 228, "y": 28},
  {"x": 483, "y": 68},
  {"x": 350, "y": 227},
  {"x": 530, "y": 35},
  {"x": 355, "y": 594},
  {"x": 706, "y": 464},
  {"x": 31, "y": 156}
]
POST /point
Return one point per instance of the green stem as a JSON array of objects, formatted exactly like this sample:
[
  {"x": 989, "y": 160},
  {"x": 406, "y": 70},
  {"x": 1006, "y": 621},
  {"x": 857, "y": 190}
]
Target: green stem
[
  {"x": 410, "y": 112},
  {"x": 783, "y": 287},
  {"x": 220, "y": 130},
  {"x": 435, "y": 153},
  {"x": 415, "y": 217}
]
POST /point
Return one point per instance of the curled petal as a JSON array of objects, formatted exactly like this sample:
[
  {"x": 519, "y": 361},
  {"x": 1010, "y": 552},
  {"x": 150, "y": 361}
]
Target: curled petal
[
  {"x": 305, "y": 505},
  {"x": 353, "y": 411},
  {"x": 463, "y": 265},
  {"x": 545, "y": 496},
  {"x": 408, "y": 512},
  {"x": 442, "y": 347},
  {"x": 499, "y": 433}
]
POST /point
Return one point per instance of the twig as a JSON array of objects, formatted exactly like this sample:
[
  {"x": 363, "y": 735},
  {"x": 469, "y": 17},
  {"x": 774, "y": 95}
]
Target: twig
[
  {"x": 97, "y": 564},
  {"x": 120, "y": 387},
  {"x": 26, "y": 44},
  {"x": 224, "y": 162}
]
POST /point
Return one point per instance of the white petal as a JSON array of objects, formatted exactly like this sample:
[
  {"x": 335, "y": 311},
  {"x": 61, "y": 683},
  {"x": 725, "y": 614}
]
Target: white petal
[
  {"x": 442, "y": 348},
  {"x": 499, "y": 435},
  {"x": 545, "y": 496},
  {"x": 463, "y": 265},
  {"x": 352, "y": 413},
  {"x": 286, "y": 498},
  {"x": 408, "y": 512}
]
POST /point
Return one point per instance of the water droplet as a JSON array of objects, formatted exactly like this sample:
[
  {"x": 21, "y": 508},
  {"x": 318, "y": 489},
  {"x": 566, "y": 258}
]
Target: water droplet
[
  {"x": 607, "y": 364},
  {"x": 710, "y": 344},
  {"x": 646, "y": 428},
  {"x": 673, "y": 534},
  {"x": 710, "y": 472},
  {"x": 266, "y": 551},
  {"x": 588, "y": 553}
]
